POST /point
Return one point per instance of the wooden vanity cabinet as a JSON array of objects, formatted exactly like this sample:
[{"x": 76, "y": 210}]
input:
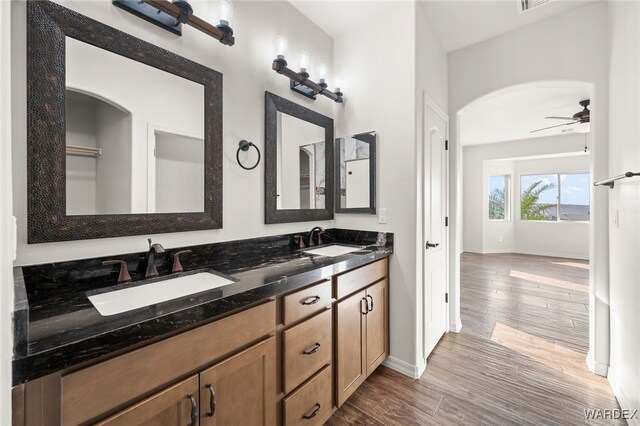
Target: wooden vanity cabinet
[
  {"x": 290, "y": 360},
  {"x": 362, "y": 336}
]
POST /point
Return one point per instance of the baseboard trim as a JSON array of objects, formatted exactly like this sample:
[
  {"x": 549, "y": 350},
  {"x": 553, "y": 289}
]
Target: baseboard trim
[
  {"x": 403, "y": 367},
  {"x": 598, "y": 368},
  {"x": 529, "y": 252},
  {"x": 623, "y": 400}
]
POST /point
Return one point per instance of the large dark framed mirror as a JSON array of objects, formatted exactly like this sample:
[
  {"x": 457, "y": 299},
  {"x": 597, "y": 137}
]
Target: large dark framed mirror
[
  {"x": 299, "y": 172},
  {"x": 355, "y": 167},
  {"x": 124, "y": 138}
]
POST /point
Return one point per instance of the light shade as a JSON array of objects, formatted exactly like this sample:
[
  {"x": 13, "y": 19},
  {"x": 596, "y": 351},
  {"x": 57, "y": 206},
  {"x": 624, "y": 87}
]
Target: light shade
[
  {"x": 582, "y": 127},
  {"x": 225, "y": 12},
  {"x": 281, "y": 46},
  {"x": 304, "y": 60},
  {"x": 322, "y": 72}
]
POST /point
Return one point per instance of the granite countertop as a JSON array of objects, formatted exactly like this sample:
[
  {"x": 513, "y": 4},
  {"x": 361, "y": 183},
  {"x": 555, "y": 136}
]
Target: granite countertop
[{"x": 56, "y": 326}]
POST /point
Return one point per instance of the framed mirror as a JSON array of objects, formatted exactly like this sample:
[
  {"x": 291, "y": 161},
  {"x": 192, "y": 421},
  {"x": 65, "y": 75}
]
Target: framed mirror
[
  {"x": 124, "y": 138},
  {"x": 356, "y": 174},
  {"x": 299, "y": 174}
]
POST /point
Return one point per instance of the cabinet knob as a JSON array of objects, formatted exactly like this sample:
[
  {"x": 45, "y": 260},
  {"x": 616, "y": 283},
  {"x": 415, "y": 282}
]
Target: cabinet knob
[
  {"x": 194, "y": 410},
  {"x": 370, "y": 309},
  {"x": 313, "y": 350},
  {"x": 212, "y": 400},
  {"x": 313, "y": 413},
  {"x": 366, "y": 305},
  {"x": 312, "y": 300}
]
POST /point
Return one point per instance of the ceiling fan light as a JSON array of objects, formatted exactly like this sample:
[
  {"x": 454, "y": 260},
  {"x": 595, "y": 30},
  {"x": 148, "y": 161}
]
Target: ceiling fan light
[{"x": 583, "y": 127}]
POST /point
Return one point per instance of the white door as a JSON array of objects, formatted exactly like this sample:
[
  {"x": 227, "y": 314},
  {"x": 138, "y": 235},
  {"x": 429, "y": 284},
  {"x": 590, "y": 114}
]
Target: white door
[{"x": 434, "y": 230}]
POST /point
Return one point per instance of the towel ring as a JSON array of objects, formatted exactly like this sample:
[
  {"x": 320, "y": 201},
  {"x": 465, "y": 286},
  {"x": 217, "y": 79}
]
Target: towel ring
[{"x": 244, "y": 146}]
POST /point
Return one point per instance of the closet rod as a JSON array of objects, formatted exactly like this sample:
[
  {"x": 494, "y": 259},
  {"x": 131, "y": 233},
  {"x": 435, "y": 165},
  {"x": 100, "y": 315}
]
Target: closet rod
[
  {"x": 611, "y": 181},
  {"x": 83, "y": 151}
]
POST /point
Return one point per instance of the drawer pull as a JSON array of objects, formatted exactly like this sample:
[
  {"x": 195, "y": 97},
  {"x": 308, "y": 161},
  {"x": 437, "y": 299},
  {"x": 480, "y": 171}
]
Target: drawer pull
[
  {"x": 366, "y": 305},
  {"x": 212, "y": 400},
  {"x": 313, "y": 350},
  {"x": 370, "y": 309},
  {"x": 312, "y": 300},
  {"x": 313, "y": 413},
  {"x": 194, "y": 410}
]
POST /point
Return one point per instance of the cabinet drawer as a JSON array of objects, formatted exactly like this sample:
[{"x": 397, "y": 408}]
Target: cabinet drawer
[
  {"x": 353, "y": 281},
  {"x": 311, "y": 404},
  {"x": 306, "y": 302},
  {"x": 307, "y": 348},
  {"x": 92, "y": 391}
]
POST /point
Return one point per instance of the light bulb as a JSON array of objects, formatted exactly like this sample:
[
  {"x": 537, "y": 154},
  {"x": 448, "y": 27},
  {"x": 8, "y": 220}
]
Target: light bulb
[
  {"x": 322, "y": 72},
  {"x": 225, "y": 12},
  {"x": 281, "y": 46},
  {"x": 304, "y": 61}
]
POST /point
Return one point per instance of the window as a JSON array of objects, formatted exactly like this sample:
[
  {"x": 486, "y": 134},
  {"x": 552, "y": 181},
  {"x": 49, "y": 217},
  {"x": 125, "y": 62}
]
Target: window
[
  {"x": 574, "y": 197},
  {"x": 555, "y": 197},
  {"x": 498, "y": 197}
]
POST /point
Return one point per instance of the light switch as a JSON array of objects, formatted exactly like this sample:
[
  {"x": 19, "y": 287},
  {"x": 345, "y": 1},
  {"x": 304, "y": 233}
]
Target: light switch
[{"x": 382, "y": 216}]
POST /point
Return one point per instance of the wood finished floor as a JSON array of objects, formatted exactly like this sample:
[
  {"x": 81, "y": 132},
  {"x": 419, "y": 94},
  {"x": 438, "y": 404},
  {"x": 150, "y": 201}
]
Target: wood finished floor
[{"x": 519, "y": 359}]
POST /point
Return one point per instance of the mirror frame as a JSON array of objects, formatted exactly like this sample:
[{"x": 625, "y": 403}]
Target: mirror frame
[
  {"x": 370, "y": 138},
  {"x": 48, "y": 25},
  {"x": 273, "y": 105}
]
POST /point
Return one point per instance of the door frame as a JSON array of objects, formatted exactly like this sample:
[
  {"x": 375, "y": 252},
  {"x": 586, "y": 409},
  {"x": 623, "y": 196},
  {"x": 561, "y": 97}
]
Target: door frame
[{"x": 429, "y": 102}]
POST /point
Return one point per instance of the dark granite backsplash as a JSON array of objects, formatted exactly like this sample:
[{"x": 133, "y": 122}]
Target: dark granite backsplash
[{"x": 58, "y": 326}]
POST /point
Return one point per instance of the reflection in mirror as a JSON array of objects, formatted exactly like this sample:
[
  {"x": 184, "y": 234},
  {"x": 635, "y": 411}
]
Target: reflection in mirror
[
  {"x": 300, "y": 164},
  {"x": 134, "y": 138},
  {"x": 356, "y": 169}
]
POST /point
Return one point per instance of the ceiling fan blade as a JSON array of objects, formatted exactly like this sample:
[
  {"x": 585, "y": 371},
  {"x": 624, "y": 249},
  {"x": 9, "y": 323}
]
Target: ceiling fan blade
[
  {"x": 551, "y": 127},
  {"x": 561, "y": 118}
]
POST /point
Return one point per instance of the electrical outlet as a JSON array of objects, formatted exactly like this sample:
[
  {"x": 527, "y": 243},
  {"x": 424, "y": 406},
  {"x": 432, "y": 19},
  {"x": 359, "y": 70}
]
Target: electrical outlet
[
  {"x": 500, "y": 239},
  {"x": 382, "y": 216}
]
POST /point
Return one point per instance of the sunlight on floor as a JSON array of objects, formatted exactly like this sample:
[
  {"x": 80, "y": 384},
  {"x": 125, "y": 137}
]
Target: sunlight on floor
[
  {"x": 573, "y": 264},
  {"x": 552, "y": 355},
  {"x": 549, "y": 281}
]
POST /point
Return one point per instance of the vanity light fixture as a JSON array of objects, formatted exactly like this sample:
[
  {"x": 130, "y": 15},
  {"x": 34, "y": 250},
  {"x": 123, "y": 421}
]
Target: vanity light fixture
[
  {"x": 170, "y": 15},
  {"x": 299, "y": 81}
]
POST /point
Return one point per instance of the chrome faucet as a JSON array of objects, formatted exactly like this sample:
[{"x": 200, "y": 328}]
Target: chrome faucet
[
  {"x": 154, "y": 248},
  {"x": 320, "y": 233}
]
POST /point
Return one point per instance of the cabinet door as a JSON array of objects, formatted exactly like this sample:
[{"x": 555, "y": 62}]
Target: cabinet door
[
  {"x": 376, "y": 325},
  {"x": 351, "y": 345},
  {"x": 176, "y": 405},
  {"x": 241, "y": 390}
]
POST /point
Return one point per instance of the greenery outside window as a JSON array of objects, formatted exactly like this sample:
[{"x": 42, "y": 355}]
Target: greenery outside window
[
  {"x": 555, "y": 197},
  {"x": 499, "y": 197}
]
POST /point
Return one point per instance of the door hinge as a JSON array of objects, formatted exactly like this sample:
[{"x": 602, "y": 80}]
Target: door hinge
[
  {"x": 446, "y": 221},
  {"x": 446, "y": 145},
  {"x": 446, "y": 298}
]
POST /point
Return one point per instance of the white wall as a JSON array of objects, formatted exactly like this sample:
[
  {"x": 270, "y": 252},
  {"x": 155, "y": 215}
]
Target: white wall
[
  {"x": 385, "y": 75},
  {"x": 545, "y": 52},
  {"x": 247, "y": 73},
  {"x": 6, "y": 217},
  {"x": 625, "y": 201},
  {"x": 482, "y": 235}
]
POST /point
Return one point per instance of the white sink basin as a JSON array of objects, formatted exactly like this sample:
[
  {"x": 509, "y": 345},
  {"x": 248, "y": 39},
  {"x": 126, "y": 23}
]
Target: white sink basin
[
  {"x": 127, "y": 299},
  {"x": 333, "y": 250}
]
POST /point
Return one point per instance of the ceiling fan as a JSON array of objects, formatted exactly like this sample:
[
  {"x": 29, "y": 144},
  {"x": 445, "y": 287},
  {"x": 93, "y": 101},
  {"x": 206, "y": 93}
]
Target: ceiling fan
[{"x": 580, "y": 117}]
